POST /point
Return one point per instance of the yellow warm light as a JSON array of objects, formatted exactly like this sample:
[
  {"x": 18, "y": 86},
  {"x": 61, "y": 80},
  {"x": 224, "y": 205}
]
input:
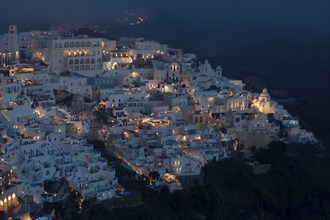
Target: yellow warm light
[
  {"x": 210, "y": 99},
  {"x": 177, "y": 162},
  {"x": 135, "y": 74},
  {"x": 72, "y": 53}
]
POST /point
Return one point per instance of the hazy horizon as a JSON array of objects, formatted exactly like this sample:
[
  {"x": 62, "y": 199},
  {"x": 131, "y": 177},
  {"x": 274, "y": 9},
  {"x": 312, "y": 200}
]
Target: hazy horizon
[{"x": 217, "y": 30}]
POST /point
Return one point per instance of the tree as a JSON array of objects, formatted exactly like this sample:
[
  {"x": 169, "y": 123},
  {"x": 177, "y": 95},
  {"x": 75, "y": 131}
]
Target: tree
[
  {"x": 154, "y": 175},
  {"x": 22, "y": 55}
]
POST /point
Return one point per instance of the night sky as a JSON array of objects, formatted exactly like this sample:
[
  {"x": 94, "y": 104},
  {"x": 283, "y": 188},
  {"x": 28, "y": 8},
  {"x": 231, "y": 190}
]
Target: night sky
[
  {"x": 303, "y": 17},
  {"x": 208, "y": 28}
]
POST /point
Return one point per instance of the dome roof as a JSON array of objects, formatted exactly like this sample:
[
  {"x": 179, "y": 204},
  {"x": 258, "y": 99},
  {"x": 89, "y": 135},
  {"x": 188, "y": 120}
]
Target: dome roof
[
  {"x": 265, "y": 95},
  {"x": 77, "y": 98},
  {"x": 206, "y": 66}
]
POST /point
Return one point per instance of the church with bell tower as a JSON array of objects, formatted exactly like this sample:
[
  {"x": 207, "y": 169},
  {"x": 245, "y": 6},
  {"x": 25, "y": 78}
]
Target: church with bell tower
[{"x": 9, "y": 50}]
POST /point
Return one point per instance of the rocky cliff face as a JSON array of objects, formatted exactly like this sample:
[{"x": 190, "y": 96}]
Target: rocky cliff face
[{"x": 296, "y": 187}]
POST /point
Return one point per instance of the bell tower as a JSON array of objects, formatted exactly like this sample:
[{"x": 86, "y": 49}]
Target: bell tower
[
  {"x": 13, "y": 44},
  {"x": 12, "y": 38},
  {"x": 218, "y": 71}
]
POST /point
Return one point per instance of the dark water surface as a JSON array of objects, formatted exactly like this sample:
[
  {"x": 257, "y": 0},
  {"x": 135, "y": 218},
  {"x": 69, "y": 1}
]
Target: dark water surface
[{"x": 284, "y": 42}]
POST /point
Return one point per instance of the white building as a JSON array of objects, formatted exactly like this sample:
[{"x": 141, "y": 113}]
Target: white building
[
  {"x": 10, "y": 88},
  {"x": 120, "y": 98},
  {"x": 267, "y": 106},
  {"x": 151, "y": 45},
  {"x": 58, "y": 157},
  {"x": 9, "y": 46},
  {"x": 76, "y": 84},
  {"x": 73, "y": 54}
]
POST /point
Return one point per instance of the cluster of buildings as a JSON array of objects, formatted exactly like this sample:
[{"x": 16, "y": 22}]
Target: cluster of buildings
[{"x": 163, "y": 112}]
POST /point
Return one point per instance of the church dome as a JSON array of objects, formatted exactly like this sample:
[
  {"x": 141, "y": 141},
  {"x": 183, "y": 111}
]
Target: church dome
[
  {"x": 264, "y": 96},
  {"x": 206, "y": 67}
]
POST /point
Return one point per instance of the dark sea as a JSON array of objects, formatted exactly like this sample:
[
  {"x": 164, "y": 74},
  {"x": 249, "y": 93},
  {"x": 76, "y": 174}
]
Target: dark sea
[{"x": 286, "y": 44}]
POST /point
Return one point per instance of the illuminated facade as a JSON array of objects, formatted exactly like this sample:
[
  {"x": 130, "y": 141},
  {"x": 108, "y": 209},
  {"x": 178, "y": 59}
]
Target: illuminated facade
[
  {"x": 8, "y": 197},
  {"x": 9, "y": 53},
  {"x": 73, "y": 54},
  {"x": 263, "y": 103},
  {"x": 9, "y": 57}
]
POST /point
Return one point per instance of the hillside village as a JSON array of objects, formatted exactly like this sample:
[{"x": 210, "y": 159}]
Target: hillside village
[{"x": 161, "y": 111}]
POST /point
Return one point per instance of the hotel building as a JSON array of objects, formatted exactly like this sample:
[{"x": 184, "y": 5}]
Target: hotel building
[{"x": 73, "y": 54}]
